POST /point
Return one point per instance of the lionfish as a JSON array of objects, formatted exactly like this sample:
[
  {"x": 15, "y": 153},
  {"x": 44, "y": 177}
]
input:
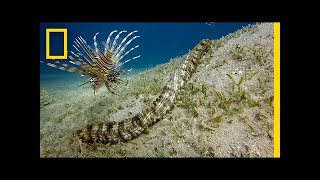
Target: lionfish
[{"x": 102, "y": 65}]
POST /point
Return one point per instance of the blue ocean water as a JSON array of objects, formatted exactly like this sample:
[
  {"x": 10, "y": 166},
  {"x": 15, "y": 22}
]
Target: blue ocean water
[
  {"x": 158, "y": 43},
  {"x": 56, "y": 43}
]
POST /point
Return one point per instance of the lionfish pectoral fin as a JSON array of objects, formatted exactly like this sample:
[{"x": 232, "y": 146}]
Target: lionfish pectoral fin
[
  {"x": 96, "y": 86},
  {"x": 85, "y": 82},
  {"x": 63, "y": 67},
  {"x": 109, "y": 88},
  {"x": 122, "y": 81}
]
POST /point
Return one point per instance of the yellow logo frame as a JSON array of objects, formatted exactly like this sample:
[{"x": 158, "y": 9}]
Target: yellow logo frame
[{"x": 65, "y": 36}]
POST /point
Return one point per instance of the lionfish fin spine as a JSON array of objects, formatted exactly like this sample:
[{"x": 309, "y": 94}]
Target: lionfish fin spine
[
  {"x": 95, "y": 42},
  {"x": 124, "y": 39},
  {"x": 85, "y": 82},
  {"x": 127, "y": 52},
  {"x": 79, "y": 63},
  {"x": 81, "y": 53},
  {"x": 77, "y": 43},
  {"x": 76, "y": 55},
  {"x": 124, "y": 47},
  {"x": 130, "y": 59},
  {"x": 108, "y": 40},
  {"x": 87, "y": 49},
  {"x": 116, "y": 39},
  {"x": 65, "y": 67}
]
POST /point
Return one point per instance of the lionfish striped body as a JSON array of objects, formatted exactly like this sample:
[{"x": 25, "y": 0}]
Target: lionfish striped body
[
  {"x": 132, "y": 127},
  {"x": 103, "y": 66}
]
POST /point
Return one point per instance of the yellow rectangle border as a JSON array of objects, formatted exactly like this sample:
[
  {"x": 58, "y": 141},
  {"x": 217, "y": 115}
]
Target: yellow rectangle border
[
  {"x": 276, "y": 132},
  {"x": 64, "y": 31}
]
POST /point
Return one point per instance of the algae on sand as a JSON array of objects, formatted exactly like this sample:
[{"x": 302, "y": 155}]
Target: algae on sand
[
  {"x": 236, "y": 122},
  {"x": 44, "y": 98}
]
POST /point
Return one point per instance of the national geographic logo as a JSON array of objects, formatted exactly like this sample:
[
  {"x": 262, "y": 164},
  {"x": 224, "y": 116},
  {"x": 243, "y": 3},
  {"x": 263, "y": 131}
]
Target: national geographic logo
[{"x": 56, "y": 30}]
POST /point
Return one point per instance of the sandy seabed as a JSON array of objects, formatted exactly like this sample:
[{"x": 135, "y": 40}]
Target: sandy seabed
[{"x": 225, "y": 110}]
